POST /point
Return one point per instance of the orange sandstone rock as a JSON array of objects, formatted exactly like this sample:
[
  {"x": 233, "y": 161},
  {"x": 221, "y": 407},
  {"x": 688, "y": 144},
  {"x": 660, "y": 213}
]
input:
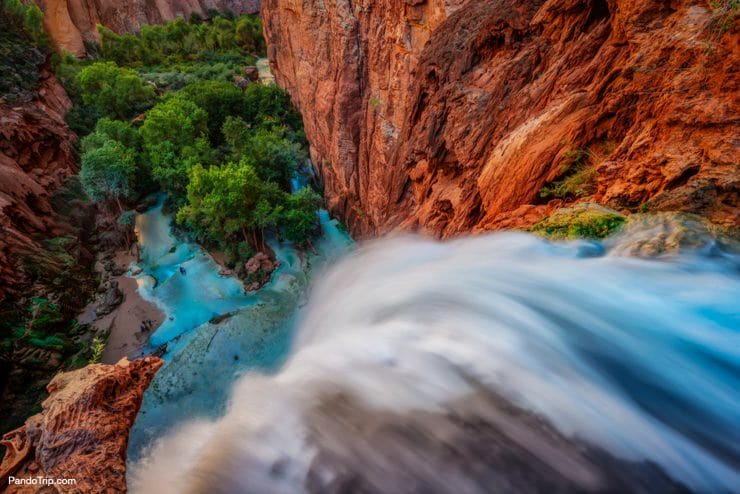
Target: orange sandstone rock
[
  {"x": 448, "y": 116},
  {"x": 82, "y": 432},
  {"x": 71, "y": 23},
  {"x": 36, "y": 156}
]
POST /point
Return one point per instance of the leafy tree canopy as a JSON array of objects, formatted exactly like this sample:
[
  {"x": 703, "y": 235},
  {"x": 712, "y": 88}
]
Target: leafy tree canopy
[
  {"x": 220, "y": 100},
  {"x": 117, "y": 92},
  {"x": 108, "y": 171}
]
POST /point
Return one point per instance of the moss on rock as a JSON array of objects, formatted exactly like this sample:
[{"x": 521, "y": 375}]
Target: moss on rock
[{"x": 580, "y": 221}]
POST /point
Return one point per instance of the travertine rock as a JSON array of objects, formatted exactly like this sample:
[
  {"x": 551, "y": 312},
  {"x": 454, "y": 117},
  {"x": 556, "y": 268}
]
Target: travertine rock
[
  {"x": 450, "y": 116},
  {"x": 82, "y": 431},
  {"x": 73, "y": 22}
]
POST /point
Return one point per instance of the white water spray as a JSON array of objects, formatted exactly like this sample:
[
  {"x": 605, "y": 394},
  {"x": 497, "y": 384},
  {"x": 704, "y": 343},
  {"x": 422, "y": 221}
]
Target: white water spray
[{"x": 637, "y": 358}]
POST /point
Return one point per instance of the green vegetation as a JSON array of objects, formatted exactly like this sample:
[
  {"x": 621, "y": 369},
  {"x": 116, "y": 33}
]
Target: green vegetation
[
  {"x": 724, "y": 14},
  {"x": 577, "y": 177},
  {"x": 108, "y": 172},
  {"x": 23, "y": 48},
  {"x": 96, "y": 350},
  {"x": 116, "y": 92},
  {"x": 180, "y": 41},
  {"x": 580, "y": 221},
  {"x": 161, "y": 110}
]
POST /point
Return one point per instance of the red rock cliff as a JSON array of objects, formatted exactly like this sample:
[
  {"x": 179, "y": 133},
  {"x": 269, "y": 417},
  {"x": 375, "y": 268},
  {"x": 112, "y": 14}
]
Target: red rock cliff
[
  {"x": 73, "y": 22},
  {"x": 450, "y": 115},
  {"x": 36, "y": 156},
  {"x": 82, "y": 432}
]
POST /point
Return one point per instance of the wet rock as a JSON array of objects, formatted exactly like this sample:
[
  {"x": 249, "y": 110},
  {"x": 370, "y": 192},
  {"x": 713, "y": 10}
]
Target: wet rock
[
  {"x": 583, "y": 220},
  {"x": 259, "y": 262},
  {"x": 656, "y": 234},
  {"x": 221, "y": 318},
  {"x": 258, "y": 270}
]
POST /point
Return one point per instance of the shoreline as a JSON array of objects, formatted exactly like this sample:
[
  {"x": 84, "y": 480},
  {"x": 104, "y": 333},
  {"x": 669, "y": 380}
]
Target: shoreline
[{"x": 122, "y": 324}]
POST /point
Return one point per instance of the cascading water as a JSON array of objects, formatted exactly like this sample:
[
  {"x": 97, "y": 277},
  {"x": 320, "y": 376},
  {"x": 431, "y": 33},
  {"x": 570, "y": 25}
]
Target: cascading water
[{"x": 500, "y": 363}]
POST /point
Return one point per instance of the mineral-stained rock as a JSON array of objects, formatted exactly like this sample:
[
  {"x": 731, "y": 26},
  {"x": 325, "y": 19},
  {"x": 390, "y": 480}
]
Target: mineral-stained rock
[
  {"x": 71, "y": 23},
  {"x": 36, "y": 156},
  {"x": 449, "y": 116},
  {"x": 82, "y": 431},
  {"x": 650, "y": 235},
  {"x": 258, "y": 270}
]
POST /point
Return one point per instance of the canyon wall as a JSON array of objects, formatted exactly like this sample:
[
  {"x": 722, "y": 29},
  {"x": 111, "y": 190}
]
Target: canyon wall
[
  {"x": 36, "y": 156},
  {"x": 71, "y": 23},
  {"x": 82, "y": 432},
  {"x": 448, "y": 116}
]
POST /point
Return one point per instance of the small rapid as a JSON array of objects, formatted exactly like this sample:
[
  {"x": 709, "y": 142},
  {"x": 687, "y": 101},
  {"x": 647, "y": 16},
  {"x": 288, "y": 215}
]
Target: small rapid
[{"x": 497, "y": 363}]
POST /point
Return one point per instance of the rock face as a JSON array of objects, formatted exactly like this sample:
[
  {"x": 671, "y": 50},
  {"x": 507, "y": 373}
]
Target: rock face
[
  {"x": 36, "y": 156},
  {"x": 71, "y": 23},
  {"x": 449, "y": 116},
  {"x": 82, "y": 431}
]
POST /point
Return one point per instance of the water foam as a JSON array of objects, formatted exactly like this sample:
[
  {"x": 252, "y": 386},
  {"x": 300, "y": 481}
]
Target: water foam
[{"x": 638, "y": 357}]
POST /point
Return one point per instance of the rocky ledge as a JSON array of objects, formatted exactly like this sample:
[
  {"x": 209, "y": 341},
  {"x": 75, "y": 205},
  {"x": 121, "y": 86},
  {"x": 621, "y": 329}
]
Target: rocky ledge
[{"x": 82, "y": 432}]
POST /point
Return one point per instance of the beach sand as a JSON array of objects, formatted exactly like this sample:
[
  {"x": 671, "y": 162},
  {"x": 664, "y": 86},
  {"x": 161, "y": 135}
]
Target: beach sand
[{"x": 123, "y": 324}]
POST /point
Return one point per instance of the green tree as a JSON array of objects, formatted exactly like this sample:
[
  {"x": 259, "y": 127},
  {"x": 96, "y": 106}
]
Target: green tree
[
  {"x": 108, "y": 172},
  {"x": 118, "y": 92},
  {"x": 220, "y": 100},
  {"x": 174, "y": 141},
  {"x": 267, "y": 104},
  {"x": 276, "y": 157},
  {"x": 249, "y": 34},
  {"x": 111, "y": 130},
  {"x": 299, "y": 218},
  {"x": 221, "y": 201}
]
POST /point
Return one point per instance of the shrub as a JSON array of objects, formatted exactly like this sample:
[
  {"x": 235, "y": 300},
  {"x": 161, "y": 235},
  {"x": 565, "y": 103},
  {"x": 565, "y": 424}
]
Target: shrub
[
  {"x": 577, "y": 177},
  {"x": 96, "y": 350}
]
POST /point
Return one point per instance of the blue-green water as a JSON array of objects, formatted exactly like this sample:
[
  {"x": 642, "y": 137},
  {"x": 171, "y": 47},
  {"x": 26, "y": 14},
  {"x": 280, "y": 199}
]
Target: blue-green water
[{"x": 203, "y": 359}]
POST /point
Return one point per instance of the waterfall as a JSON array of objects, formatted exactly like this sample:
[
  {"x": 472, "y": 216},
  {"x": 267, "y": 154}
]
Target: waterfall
[{"x": 500, "y": 363}]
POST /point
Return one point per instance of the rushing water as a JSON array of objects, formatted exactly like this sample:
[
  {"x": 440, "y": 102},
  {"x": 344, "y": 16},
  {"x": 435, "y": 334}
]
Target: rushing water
[{"x": 500, "y": 363}]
